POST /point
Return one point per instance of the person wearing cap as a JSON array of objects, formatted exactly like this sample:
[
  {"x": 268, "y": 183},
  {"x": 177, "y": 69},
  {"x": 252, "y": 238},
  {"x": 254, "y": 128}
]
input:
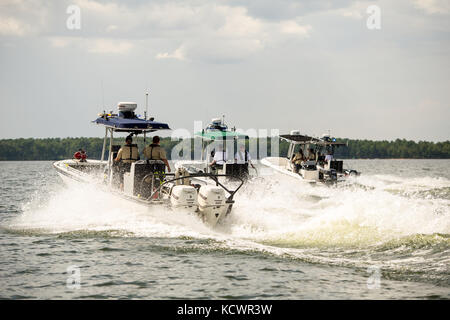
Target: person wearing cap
[{"x": 155, "y": 152}]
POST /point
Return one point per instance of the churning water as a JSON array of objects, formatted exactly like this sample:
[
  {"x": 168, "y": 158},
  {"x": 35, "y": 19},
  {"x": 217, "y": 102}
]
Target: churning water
[{"x": 384, "y": 234}]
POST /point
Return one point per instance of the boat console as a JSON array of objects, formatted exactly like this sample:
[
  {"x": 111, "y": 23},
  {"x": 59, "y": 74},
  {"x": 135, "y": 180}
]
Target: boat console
[
  {"x": 236, "y": 169},
  {"x": 143, "y": 177}
]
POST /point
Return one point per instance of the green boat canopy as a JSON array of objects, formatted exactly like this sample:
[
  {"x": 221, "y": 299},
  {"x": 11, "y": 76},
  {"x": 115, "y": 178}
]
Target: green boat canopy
[{"x": 221, "y": 135}]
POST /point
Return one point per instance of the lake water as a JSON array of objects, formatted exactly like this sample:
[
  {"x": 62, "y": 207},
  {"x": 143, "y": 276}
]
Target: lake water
[{"x": 384, "y": 234}]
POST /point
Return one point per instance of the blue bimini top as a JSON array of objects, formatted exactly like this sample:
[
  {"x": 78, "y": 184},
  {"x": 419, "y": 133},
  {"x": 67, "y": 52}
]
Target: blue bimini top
[{"x": 119, "y": 123}]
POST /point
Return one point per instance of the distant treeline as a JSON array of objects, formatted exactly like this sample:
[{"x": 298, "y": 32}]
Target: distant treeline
[{"x": 56, "y": 148}]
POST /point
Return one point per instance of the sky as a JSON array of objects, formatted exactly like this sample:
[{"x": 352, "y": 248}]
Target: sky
[{"x": 360, "y": 71}]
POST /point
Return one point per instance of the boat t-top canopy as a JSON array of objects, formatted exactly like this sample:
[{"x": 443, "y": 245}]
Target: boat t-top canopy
[
  {"x": 302, "y": 139},
  {"x": 127, "y": 121},
  {"x": 221, "y": 135},
  {"x": 135, "y": 125}
]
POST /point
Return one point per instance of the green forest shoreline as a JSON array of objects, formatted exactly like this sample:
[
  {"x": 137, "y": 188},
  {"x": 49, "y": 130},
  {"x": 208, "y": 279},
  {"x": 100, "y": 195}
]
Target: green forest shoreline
[{"x": 63, "y": 148}]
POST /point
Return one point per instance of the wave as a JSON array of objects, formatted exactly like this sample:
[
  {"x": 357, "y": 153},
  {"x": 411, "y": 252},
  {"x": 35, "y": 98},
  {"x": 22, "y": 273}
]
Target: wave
[{"x": 402, "y": 224}]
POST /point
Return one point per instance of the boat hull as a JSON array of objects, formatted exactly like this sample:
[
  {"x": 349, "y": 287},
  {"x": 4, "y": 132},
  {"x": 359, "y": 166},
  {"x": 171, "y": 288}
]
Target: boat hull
[
  {"x": 73, "y": 172},
  {"x": 279, "y": 165}
]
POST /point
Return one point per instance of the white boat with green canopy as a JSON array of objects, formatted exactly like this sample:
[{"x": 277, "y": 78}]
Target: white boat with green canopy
[{"x": 218, "y": 144}]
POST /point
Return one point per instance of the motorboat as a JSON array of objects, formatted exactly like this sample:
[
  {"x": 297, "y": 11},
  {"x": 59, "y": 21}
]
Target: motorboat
[
  {"x": 319, "y": 163},
  {"x": 146, "y": 181},
  {"x": 218, "y": 138}
]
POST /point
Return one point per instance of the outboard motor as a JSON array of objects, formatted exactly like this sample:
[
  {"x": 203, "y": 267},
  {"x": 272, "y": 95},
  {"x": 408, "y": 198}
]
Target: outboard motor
[
  {"x": 212, "y": 203},
  {"x": 183, "y": 195}
]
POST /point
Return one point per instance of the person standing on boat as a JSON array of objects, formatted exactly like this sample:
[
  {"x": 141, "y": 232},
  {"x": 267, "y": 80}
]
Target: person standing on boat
[
  {"x": 220, "y": 157},
  {"x": 243, "y": 156},
  {"x": 129, "y": 152},
  {"x": 156, "y": 152},
  {"x": 126, "y": 155},
  {"x": 297, "y": 160}
]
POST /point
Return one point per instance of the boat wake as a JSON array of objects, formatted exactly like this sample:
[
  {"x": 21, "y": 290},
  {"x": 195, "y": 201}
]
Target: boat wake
[{"x": 399, "y": 224}]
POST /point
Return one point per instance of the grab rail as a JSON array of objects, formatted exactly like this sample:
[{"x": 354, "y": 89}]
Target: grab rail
[{"x": 207, "y": 175}]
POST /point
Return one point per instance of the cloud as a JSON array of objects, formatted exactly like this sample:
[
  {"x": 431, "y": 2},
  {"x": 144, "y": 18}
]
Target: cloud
[
  {"x": 178, "y": 54},
  {"x": 188, "y": 30},
  {"x": 201, "y": 31},
  {"x": 292, "y": 27},
  {"x": 92, "y": 45},
  {"x": 109, "y": 46},
  {"x": 433, "y": 6},
  {"x": 12, "y": 27},
  {"x": 60, "y": 42},
  {"x": 287, "y": 9},
  {"x": 111, "y": 27}
]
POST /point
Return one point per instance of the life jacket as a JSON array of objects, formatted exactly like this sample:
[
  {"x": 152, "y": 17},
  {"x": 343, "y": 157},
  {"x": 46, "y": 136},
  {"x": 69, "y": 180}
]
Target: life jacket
[
  {"x": 77, "y": 155},
  {"x": 152, "y": 147},
  {"x": 130, "y": 153},
  {"x": 298, "y": 158}
]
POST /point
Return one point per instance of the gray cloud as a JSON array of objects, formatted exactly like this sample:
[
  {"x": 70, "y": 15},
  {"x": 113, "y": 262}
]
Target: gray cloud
[{"x": 311, "y": 65}]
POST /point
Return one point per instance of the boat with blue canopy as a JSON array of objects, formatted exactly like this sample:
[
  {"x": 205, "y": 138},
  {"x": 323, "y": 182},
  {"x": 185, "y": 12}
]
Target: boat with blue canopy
[{"x": 146, "y": 181}]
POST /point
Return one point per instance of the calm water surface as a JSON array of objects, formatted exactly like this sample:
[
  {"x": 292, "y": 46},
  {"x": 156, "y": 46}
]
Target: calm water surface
[{"x": 384, "y": 234}]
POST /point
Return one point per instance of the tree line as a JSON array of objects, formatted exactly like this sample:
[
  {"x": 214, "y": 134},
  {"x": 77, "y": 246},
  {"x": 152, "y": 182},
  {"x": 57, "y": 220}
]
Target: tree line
[{"x": 63, "y": 148}]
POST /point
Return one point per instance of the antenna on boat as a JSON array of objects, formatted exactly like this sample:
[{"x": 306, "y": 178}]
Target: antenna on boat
[
  {"x": 145, "y": 115},
  {"x": 223, "y": 119},
  {"x": 103, "y": 95},
  {"x": 146, "y": 106}
]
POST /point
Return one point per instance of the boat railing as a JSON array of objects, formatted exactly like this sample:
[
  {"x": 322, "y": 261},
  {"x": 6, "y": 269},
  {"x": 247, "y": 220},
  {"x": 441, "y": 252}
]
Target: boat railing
[{"x": 214, "y": 177}]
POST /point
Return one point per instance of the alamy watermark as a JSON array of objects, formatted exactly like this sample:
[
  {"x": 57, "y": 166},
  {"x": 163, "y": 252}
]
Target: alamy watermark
[
  {"x": 73, "y": 22},
  {"x": 255, "y": 141},
  {"x": 374, "y": 20},
  {"x": 73, "y": 281},
  {"x": 374, "y": 280}
]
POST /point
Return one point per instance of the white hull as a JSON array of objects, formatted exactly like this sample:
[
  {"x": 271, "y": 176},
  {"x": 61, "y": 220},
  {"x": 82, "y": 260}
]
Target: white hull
[
  {"x": 280, "y": 164},
  {"x": 210, "y": 214},
  {"x": 71, "y": 175}
]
